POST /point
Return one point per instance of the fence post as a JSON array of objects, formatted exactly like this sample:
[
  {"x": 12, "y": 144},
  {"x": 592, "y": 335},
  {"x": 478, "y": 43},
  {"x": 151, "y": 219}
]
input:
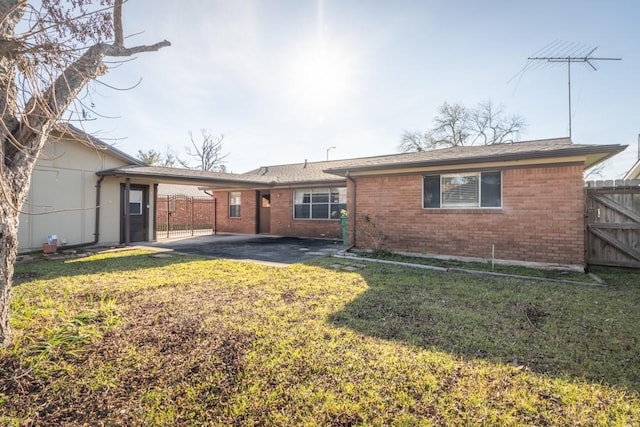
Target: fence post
[
  {"x": 192, "y": 204},
  {"x": 168, "y": 215}
]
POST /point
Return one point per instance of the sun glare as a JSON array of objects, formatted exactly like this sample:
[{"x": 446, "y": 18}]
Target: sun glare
[{"x": 320, "y": 78}]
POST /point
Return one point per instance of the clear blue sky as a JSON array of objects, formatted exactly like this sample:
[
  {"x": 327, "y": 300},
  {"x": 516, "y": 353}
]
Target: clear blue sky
[{"x": 285, "y": 80}]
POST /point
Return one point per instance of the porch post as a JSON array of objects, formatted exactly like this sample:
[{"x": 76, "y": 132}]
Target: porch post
[
  {"x": 127, "y": 214},
  {"x": 154, "y": 218}
]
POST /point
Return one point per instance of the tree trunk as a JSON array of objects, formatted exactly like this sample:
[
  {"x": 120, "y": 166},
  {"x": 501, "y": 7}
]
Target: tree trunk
[
  {"x": 8, "y": 251},
  {"x": 23, "y": 134}
]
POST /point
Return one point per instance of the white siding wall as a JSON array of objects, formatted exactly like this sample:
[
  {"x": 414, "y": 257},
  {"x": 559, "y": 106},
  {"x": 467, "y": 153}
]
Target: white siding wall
[{"x": 62, "y": 197}]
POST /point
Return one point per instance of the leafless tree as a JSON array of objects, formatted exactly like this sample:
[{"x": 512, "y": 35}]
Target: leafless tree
[
  {"x": 596, "y": 172},
  {"x": 489, "y": 125},
  {"x": 414, "y": 141},
  {"x": 456, "y": 125},
  {"x": 154, "y": 157},
  {"x": 451, "y": 126},
  {"x": 207, "y": 153},
  {"x": 49, "y": 51}
]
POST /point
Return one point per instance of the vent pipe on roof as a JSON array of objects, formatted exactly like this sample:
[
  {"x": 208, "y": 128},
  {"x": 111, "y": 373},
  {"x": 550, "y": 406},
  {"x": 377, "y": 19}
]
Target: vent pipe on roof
[
  {"x": 639, "y": 146},
  {"x": 305, "y": 164},
  {"x": 264, "y": 170}
]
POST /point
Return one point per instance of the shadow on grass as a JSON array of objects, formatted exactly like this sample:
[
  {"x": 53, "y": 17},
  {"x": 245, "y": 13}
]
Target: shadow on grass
[
  {"x": 108, "y": 262},
  {"x": 552, "y": 329}
]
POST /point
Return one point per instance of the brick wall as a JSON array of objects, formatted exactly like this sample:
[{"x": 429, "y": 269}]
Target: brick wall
[
  {"x": 246, "y": 224},
  {"x": 281, "y": 214},
  {"x": 283, "y": 224},
  {"x": 541, "y": 219}
]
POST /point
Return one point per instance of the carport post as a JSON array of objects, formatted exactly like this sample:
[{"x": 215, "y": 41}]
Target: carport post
[{"x": 127, "y": 216}]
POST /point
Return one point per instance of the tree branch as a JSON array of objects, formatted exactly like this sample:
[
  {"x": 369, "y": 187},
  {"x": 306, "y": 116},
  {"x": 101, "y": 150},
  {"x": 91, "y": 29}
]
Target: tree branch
[
  {"x": 112, "y": 50},
  {"x": 117, "y": 24}
]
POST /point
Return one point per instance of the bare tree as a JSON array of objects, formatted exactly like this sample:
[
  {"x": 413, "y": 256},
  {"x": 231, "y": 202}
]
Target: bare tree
[
  {"x": 414, "y": 141},
  {"x": 489, "y": 125},
  {"x": 154, "y": 157},
  {"x": 456, "y": 125},
  {"x": 207, "y": 153},
  {"x": 595, "y": 172},
  {"x": 49, "y": 51},
  {"x": 451, "y": 126}
]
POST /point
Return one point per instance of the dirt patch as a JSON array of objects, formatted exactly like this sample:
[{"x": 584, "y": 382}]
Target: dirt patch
[
  {"x": 166, "y": 356},
  {"x": 534, "y": 315}
]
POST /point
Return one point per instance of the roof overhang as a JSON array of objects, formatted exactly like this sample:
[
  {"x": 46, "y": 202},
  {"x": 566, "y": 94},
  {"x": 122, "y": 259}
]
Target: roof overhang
[
  {"x": 587, "y": 155},
  {"x": 67, "y": 130},
  {"x": 211, "y": 180},
  {"x": 634, "y": 172}
]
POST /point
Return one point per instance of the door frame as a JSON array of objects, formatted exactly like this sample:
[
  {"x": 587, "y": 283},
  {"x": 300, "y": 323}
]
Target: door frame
[
  {"x": 125, "y": 215},
  {"x": 261, "y": 212}
]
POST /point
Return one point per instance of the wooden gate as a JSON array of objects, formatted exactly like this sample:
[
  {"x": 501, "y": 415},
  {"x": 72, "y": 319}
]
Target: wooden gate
[
  {"x": 179, "y": 215},
  {"x": 613, "y": 223}
]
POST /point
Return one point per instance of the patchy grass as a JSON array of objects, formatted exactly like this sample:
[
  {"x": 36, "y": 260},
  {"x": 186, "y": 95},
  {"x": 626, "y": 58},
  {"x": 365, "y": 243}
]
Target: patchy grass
[{"x": 126, "y": 339}]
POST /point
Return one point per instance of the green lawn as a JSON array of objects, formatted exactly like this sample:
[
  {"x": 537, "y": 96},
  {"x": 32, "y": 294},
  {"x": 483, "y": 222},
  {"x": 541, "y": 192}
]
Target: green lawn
[{"x": 123, "y": 338}]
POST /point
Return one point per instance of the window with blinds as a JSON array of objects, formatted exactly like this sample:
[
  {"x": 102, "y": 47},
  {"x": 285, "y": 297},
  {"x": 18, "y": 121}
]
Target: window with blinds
[
  {"x": 235, "y": 202},
  {"x": 463, "y": 190},
  {"x": 319, "y": 203}
]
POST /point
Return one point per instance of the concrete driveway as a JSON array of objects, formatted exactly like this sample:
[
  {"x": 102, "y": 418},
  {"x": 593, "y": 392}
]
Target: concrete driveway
[{"x": 250, "y": 247}]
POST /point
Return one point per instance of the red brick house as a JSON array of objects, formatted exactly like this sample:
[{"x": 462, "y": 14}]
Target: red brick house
[{"x": 522, "y": 201}]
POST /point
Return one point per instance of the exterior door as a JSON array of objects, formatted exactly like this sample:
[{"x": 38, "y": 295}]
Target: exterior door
[
  {"x": 138, "y": 213},
  {"x": 264, "y": 212}
]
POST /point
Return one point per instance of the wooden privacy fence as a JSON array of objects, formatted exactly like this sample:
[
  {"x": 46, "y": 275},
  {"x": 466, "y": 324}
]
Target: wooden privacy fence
[
  {"x": 179, "y": 215},
  {"x": 613, "y": 223}
]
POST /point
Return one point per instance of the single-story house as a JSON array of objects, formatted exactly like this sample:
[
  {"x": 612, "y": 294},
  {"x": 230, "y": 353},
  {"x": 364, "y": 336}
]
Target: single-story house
[
  {"x": 520, "y": 201},
  {"x": 72, "y": 199},
  {"x": 66, "y": 197}
]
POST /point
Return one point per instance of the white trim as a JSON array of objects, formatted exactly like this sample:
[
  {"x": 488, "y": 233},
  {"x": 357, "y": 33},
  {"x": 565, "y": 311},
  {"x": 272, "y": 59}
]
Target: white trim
[
  {"x": 478, "y": 206},
  {"x": 239, "y": 193},
  {"x": 329, "y": 203}
]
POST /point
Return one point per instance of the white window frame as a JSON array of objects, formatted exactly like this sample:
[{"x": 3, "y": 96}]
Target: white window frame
[
  {"x": 235, "y": 196},
  {"x": 135, "y": 192},
  {"x": 342, "y": 202},
  {"x": 479, "y": 201}
]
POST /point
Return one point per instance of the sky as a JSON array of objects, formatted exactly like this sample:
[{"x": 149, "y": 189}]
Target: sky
[{"x": 289, "y": 80}]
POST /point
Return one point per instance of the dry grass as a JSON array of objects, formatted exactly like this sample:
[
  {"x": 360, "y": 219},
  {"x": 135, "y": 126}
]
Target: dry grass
[{"x": 126, "y": 339}]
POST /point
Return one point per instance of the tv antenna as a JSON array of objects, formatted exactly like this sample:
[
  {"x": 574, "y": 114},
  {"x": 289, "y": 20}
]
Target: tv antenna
[{"x": 558, "y": 52}]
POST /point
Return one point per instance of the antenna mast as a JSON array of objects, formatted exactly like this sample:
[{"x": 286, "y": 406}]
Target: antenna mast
[{"x": 563, "y": 52}]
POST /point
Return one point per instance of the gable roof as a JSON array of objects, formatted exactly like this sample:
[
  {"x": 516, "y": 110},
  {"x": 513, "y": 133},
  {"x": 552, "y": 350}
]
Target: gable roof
[
  {"x": 70, "y": 131},
  {"x": 634, "y": 172}
]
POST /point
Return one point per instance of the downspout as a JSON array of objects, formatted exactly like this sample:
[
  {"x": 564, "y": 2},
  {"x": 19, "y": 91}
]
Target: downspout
[
  {"x": 353, "y": 215},
  {"x": 96, "y": 233},
  {"x": 215, "y": 211}
]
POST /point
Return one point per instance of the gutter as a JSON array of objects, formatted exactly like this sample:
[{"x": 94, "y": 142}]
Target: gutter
[
  {"x": 215, "y": 211},
  {"x": 608, "y": 150},
  {"x": 353, "y": 228}
]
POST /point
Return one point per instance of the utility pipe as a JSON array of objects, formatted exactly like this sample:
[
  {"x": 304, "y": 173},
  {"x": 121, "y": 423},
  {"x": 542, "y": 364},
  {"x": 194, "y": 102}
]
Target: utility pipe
[
  {"x": 96, "y": 233},
  {"x": 353, "y": 222}
]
